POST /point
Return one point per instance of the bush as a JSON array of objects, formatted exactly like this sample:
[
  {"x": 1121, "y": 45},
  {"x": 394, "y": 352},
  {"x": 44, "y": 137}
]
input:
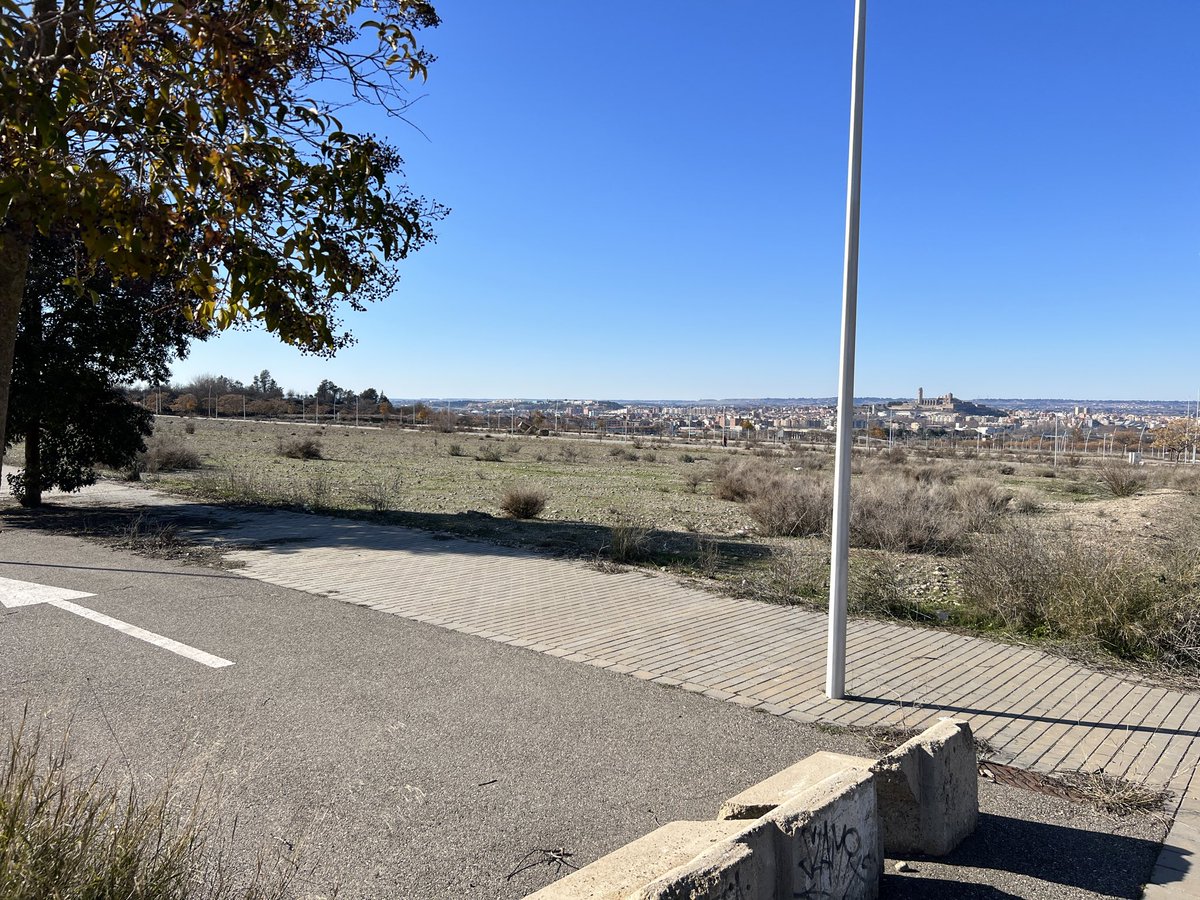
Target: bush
[
  {"x": 686, "y": 458},
  {"x": 189, "y": 427},
  {"x": 379, "y": 494},
  {"x": 902, "y": 515},
  {"x": 1122, "y": 479},
  {"x": 1051, "y": 585},
  {"x": 693, "y": 480},
  {"x": 489, "y": 454},
  {"x": 1006, "y": 469},
  {"x": 455, "y": 450},
  {"x": 981, "y": 502},
  {"x": 1026, "y": 502},
  {"x": 523, "y": 502},
  {"x": 168, "y": 455},
  {"x": 303, "y": 447},
  {"x": 740, "y": 481},
  {"x": 650, "y": 456},
  {"x": 793, "y": 506}
]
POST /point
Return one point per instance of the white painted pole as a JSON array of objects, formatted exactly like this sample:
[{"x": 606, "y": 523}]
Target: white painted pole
[{"x": 839, "y": 566}]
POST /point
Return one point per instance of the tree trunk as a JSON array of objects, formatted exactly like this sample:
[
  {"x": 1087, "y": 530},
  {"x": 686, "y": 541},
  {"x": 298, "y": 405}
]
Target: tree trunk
[
  {"x": 15, "y": 244},
  {"x": 31, "y": 325}
]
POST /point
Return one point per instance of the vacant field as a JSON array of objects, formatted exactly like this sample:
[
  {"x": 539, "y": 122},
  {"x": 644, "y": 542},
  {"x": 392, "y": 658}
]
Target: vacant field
[{"x": 1097, "y": 557}]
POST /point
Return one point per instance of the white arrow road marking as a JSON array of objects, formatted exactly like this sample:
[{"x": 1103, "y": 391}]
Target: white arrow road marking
[{"x": 28, "y": 593}]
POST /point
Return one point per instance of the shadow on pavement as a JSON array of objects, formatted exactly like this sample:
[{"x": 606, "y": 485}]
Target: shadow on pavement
[
  {"x": 1020, "y": 853},
  {"x": 470, "y": 533},
  {"x": 1028, "y": 717}
]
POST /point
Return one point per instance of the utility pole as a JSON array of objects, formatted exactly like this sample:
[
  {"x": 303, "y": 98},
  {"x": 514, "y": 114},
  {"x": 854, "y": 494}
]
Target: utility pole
[{"x": 839, "y": 564}]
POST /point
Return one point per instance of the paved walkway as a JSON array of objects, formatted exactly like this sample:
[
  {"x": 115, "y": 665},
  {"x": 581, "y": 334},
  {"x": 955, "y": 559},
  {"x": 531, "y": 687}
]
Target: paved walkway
[{"x": 1036, "y": 711}]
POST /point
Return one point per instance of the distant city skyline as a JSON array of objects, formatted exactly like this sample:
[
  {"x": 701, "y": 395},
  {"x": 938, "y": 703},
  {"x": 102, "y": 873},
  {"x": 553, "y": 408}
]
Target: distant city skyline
[{"x": 656, "y": 210}]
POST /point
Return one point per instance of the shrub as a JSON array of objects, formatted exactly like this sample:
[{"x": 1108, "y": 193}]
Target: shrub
[
  {"x": 1006, "y": 469},
  {"x": 569, "y": 453},
  {"x": 686, "y": 458},
  {"x": 455, "y": 450},
  {"x": 302, "y": 447},
  {"x": 739, "y": 481},
  {"x": 902, "y": 515},
  {"x": 1122, "y": 479},
  {"x": 379, "y": 494},
  {"x": 793, "y": 506},
  {"x": 189, "y": 427},
  {"x": 933, "y": 473},
  {"x": 522, "y": 502},
  {"x": 693, "y": 480},
  {"x": 315, "y": 490},
  {"x": 1052, "y": 585},
  {"x": 1025, "y": 502},
  {"x": 489, "y": 454},
  {"x": 168, "y": 455},
  {"x": 981, "y": 502},
  {"x": 649, "y": 456}
]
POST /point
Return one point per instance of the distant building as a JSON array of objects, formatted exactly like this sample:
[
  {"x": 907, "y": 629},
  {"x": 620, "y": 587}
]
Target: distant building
[{"x": 939, "y": 408}]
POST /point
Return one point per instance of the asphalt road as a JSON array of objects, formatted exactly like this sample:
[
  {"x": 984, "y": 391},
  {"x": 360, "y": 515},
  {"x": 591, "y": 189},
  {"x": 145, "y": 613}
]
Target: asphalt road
[{"x": 405, "y": 761}]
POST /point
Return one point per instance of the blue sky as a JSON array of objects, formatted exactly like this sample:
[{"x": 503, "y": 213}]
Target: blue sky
[{"x": 648, "y": 202}]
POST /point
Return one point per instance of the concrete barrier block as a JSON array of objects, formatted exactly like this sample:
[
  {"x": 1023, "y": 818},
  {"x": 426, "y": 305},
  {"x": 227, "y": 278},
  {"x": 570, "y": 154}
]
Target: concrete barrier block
[
  {"x": 780, "y": 788},
  {"x": 828, "y": 840},
  {"x": 632, "y": 867},
  {"x": 743, "y": 867},
  {"x": 928, "y": 790}
]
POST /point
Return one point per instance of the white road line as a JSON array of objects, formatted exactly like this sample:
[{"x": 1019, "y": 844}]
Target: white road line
[
  {"x": 205, "y": 659},
  {"x": 15, "y": 593}
]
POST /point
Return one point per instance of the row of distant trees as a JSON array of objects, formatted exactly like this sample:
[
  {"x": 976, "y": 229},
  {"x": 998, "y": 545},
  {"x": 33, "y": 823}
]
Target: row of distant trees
[{"x": 262, "y": 397}]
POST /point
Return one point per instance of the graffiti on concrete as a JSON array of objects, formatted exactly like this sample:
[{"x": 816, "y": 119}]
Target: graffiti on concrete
[{"x": 834, "y": 861}]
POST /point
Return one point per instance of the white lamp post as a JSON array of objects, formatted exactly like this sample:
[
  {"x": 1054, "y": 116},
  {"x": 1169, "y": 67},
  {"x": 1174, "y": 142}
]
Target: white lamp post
[{"x": 839, "y": 566}]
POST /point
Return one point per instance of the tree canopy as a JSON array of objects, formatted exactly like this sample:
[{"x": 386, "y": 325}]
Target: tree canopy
[
  {"x": 199, "y": 141},
  {"x": 74, "y": 352}
]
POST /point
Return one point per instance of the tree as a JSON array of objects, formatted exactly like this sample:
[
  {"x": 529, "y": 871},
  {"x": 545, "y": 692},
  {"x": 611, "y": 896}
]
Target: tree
[
  {"x": 179, "y": 138},
  {"x": 328, "y": 392},
  {"x": 185, "y": 404},
  {"x": 1176, "y": 437},
  {"x": 265, "y": 386},
  {"x": 73, "y": 354}
]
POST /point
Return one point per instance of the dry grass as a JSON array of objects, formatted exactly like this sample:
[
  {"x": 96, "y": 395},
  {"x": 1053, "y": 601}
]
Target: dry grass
[
  {"x": 628, "y": 542},
  {"x": 68, "y": 834},
  {"x": 1115, "y": 796}
]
